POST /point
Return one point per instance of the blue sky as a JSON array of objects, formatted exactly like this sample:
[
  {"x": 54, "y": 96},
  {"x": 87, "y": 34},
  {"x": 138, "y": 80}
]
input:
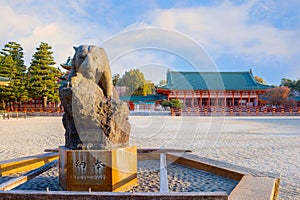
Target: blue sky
[{"x": 217, "y": 35}]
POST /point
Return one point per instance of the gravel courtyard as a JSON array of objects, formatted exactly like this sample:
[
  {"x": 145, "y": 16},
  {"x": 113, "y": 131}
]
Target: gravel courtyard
[{"x": 267, "y": 144}]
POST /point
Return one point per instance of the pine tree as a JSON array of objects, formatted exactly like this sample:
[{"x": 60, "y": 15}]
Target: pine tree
[
  {"x": 13, "y": 66},
  {"x": 42, "y": 75},
  {"x": 15, "y": 50},
  {"x": 7, "y": 65}
]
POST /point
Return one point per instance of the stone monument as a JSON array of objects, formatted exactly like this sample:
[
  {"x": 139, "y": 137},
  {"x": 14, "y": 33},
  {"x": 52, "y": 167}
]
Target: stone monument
[{"x": 96, "y": 154}]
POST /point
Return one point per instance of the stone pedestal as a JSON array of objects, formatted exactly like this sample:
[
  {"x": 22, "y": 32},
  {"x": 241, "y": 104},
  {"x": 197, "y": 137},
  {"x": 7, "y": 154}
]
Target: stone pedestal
[{"x": 98, "y": 170}]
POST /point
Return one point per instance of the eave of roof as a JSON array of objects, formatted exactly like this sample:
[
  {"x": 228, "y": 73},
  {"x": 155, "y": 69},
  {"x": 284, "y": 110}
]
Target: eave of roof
[
  {"x": 68, "y": 64},
  {"x": 4, "y": 79},
  {"x": 156, "y": 97}
]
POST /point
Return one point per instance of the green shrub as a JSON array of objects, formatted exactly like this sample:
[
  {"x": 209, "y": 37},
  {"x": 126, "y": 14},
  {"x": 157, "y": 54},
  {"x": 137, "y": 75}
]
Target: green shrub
[
  {"x": 176, "y": 103},
  {"x": 173, "y": 103},
  {"x": 165, "y": 103}
]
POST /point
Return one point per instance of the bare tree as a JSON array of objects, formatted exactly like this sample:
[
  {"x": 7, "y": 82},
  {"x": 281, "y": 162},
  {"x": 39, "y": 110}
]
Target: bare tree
[{"x": 277, "y": 95}]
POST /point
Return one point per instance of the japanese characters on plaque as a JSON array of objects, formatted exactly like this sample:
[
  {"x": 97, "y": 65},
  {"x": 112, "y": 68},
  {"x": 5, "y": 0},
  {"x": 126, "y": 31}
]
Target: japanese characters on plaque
[{"x": 81, "y": 167}]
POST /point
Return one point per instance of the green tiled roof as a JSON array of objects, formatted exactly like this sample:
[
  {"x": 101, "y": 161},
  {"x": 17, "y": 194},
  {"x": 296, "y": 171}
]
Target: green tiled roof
[
  {"x": 212, "y": 81},
  {"x": 143, "y": 98},
  {"x": 4, "y": 79}
]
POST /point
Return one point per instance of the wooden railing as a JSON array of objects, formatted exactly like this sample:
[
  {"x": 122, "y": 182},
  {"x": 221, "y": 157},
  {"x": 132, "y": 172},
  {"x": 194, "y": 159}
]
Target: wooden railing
[
  {"x": 28, "y": 108},
  {"x": 240, "y": 111}
]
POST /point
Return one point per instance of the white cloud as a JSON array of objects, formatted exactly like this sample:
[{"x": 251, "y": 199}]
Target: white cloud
[
  {"x": 228, "y": 30},
  {"x": 30, "y": 31},
  {"x": 158, "y": 40},
  {"x": 12, "y": 24},
  {"x": 78, "y": 8},
  {"x": 52, "y": 34},
  {"x": 225, "y": 29},
  {"x": 30, "y": 28}
]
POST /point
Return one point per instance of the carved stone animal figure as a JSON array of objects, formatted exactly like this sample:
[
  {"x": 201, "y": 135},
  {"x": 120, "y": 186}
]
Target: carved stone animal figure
[
  {"x": 91, "y": 61},
  {"x": 94, "y": 116}
]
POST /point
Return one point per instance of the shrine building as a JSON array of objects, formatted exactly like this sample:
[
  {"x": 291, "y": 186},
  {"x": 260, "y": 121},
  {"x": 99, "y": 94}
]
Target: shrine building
[{"x": 219, "y": 89}]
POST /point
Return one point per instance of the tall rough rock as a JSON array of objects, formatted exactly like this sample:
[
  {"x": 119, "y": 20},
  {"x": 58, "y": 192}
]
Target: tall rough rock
[{"x": 94, "y": 116}]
